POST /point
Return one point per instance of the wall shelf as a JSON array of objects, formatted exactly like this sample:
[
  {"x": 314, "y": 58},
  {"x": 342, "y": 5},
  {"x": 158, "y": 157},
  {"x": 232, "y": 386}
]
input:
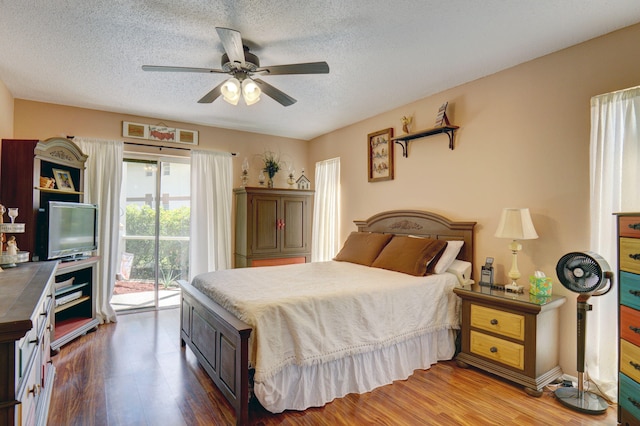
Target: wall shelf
[{"x": 404, "y": 140}]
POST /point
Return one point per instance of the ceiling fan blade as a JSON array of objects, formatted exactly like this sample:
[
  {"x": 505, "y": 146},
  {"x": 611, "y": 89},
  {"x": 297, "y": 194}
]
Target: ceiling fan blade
[
  {"x": 278, "y": 95},
  {"x": 232, "y": 43},
  {"x": 306, "y": 68},
  {"x": 179, "y": 69},
  {"x": 212, "y": 95}
]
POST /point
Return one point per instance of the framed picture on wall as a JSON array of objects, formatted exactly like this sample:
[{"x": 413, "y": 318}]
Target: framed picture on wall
[
  {"x": 135, "y": 130},
  {"x": 187, "y": 136},
  {"x": 380, "y": 153}
]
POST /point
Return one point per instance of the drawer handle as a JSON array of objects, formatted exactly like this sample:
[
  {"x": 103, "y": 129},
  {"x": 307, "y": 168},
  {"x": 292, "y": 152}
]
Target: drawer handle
[
  {"x": 634, "y": 256},
  {"x": 635, "y": 293},
  {"x": 493, "y": 349},
  {"x": 43, "y": 314},
  {"x": 635, "y": 226},
  {"x": 635, "y": 365},
  {"x": 634, "y": 329},
  {"x": 494, "y": 322},
  {"x": 634, "y": 402},
  {"x": 35, "y": 390}
]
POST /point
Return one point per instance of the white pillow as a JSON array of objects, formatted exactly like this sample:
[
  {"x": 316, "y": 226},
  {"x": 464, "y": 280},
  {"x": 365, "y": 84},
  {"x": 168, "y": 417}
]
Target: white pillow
[
  {"x": 449, "y": 255},
  {"x": 462, "y": 270}
]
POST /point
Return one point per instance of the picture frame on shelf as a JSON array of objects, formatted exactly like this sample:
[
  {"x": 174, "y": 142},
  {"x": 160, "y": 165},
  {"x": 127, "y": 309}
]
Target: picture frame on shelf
[
  {"x": 63, "y": 180},
  {"x": 380, "y": 150}
]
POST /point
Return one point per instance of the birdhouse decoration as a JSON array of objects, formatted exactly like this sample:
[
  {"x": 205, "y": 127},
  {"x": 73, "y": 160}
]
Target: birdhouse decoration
[{"x": 303, "y": 182}]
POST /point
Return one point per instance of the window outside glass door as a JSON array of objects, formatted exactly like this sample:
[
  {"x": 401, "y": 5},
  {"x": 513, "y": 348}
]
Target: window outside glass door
[{"x": 154, "y": 233}]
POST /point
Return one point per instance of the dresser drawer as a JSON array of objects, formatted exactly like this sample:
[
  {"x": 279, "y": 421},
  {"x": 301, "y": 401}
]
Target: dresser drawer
[
  {"x": 29, "y": 397},
  {"x": 630, "y": 360},
  {"x": 630, "y": 325},
  {"x": 630, "y": 395},
  {"x": 25, "y": 351},
  {"x": 630, "y": 226},
  {"x": 499, "y": 322},
  {"x": 630, "y": 290},
  {"x": 44, "y": 313},
  {"x": 630, "y": 255},
  {"x": 502, "y": 351}
]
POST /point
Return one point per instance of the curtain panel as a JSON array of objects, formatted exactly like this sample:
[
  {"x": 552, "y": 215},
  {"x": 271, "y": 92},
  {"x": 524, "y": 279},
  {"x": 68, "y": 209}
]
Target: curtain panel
[
  {"x": 326, "y": 211},
  {"x": 615, "y": 187},
  {"x": 211, "y": 201},
  {"x": 102, "y": 186}
]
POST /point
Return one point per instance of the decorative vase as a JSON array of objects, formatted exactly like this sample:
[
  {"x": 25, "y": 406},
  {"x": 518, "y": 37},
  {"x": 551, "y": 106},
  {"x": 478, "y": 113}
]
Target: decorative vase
[{"x": 270, "y": 182}]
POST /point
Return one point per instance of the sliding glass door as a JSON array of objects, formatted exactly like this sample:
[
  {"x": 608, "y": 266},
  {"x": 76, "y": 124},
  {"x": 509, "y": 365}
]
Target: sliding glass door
[{"x": 154, "y": 233}]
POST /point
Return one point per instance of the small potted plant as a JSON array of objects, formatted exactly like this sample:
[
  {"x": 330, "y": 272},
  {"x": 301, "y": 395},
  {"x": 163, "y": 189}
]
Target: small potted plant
[{"x": 271, "y": 166}]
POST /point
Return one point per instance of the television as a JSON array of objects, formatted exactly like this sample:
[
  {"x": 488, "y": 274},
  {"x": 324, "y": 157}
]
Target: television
[{"x": 69, "y": 230}]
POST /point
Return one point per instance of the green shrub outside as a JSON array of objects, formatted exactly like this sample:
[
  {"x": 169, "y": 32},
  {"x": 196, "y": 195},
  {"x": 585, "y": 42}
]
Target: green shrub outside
[{"x": 174, "y": 255}]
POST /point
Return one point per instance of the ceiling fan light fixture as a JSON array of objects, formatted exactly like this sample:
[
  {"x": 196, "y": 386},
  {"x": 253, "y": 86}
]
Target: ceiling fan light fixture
[
  {"x": 230, "y": 91},
  {"x": 250, "y": 91}
]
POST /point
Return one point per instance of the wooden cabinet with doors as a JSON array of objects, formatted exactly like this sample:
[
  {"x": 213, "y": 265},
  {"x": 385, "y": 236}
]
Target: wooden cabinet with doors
[{"x": 273, "y": 226}]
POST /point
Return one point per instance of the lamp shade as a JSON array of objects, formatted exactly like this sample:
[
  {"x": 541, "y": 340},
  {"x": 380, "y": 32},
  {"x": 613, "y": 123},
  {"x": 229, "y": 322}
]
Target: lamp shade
[
  {"x": 251, "y": 91},
  {"x": 516, "y": 224},
  {"x": 231, "y": 91}
]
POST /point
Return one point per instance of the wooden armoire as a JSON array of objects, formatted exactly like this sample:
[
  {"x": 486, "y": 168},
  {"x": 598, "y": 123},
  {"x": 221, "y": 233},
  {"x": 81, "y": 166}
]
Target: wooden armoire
[{"x": 273, "y": 226}]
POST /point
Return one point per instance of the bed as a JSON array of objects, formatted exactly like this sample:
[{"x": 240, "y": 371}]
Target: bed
[{"x": 236, "y": 319}]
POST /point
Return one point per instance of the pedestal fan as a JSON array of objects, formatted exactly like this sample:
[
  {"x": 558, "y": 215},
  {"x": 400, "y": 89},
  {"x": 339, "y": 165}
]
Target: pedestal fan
[{"x": 587, "y": 274}]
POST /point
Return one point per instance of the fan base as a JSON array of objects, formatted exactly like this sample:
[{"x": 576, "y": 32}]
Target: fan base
[{"x": 585, "y": 402}]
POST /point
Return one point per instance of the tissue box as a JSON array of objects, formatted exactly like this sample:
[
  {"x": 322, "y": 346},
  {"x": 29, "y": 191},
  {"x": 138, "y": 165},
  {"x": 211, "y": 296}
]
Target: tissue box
[{"x": 540, "y": 286}]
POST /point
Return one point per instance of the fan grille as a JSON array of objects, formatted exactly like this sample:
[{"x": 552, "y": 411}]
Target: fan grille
[{"x": 582, "y": 272}]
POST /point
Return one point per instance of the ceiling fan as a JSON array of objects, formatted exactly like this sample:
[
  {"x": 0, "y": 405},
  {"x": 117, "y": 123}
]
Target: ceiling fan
[{"x": 242, "y": 65}]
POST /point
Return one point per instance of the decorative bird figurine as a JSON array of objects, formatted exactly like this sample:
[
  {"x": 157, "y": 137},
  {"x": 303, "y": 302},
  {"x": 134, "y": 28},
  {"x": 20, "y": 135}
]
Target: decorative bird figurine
[{"x": 406, "y": 122}]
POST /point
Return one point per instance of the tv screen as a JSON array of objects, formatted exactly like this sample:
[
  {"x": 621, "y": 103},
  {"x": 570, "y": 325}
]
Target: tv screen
[{"x": 72, "y": 229}]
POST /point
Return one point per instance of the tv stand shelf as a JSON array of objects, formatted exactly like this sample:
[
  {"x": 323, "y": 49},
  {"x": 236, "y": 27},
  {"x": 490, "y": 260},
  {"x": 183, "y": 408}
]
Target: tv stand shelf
[{"x": 78, "y": 316}]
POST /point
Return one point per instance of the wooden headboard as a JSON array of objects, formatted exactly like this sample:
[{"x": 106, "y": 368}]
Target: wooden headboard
[{"x": 425, "y": 224}]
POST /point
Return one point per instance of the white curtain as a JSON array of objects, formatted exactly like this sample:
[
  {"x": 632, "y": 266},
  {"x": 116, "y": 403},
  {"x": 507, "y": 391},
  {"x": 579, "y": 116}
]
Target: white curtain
[
  {"x": 326, "y": 211},
  {"x": 615, "y": 187},
  {"x": 211, "y": 200},
  {"x": 102, "y": 185}
]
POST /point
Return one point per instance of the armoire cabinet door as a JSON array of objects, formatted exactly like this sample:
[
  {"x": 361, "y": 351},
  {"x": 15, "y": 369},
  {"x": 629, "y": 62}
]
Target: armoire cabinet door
[
  {"x": 265, "y": 219},
  {"x": 295, "y": 215}
]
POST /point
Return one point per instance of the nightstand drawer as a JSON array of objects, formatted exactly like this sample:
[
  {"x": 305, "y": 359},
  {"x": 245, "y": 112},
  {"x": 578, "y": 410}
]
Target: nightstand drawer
[
  {"x": 508, "y": 353},
  {"x": 630, "y": 360},
  {"x": 500, "y": 322},
  {"x": 630, "y": 255}
]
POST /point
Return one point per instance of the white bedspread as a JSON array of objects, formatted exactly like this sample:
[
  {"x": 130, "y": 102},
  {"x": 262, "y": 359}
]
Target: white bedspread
[{"x": 318, "y": 312}]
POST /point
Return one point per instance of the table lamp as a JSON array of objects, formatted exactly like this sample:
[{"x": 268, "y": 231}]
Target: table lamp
[{"x": 515, "y": 224}]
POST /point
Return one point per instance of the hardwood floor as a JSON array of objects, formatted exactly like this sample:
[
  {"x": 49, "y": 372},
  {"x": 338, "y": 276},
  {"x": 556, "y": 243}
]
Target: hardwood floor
[{"x": 134, "y": 372}]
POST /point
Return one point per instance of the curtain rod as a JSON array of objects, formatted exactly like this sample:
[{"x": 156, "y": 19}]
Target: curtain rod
[{"x": 233, "y": 154}]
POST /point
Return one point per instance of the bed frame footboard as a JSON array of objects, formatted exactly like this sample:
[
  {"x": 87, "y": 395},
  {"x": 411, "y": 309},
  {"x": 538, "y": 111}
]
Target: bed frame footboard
[{"x": 220, "y": 342}]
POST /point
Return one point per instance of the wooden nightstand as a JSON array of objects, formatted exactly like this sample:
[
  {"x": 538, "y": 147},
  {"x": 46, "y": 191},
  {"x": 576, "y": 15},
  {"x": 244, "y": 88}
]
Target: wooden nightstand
[{"x": 514, "y": 336}]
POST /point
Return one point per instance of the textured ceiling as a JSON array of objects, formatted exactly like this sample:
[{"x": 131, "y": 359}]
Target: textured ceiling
[{"x": 382, "y": 54}]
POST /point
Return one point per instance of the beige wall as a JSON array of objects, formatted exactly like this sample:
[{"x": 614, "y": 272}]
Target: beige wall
[
  {"x": 523, "y": 142},
  {"x": 37, "y": 120},
  {"x": 6, "y": 112}
]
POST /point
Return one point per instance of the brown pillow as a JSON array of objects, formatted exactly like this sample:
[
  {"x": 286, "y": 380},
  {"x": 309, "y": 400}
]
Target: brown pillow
[
  {"x": 362, "y": 247},
  {"x": 408, "y": 255}
]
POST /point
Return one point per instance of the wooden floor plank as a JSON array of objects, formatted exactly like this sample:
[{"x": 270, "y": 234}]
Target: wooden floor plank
[{"x": 135, "y": 372}]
